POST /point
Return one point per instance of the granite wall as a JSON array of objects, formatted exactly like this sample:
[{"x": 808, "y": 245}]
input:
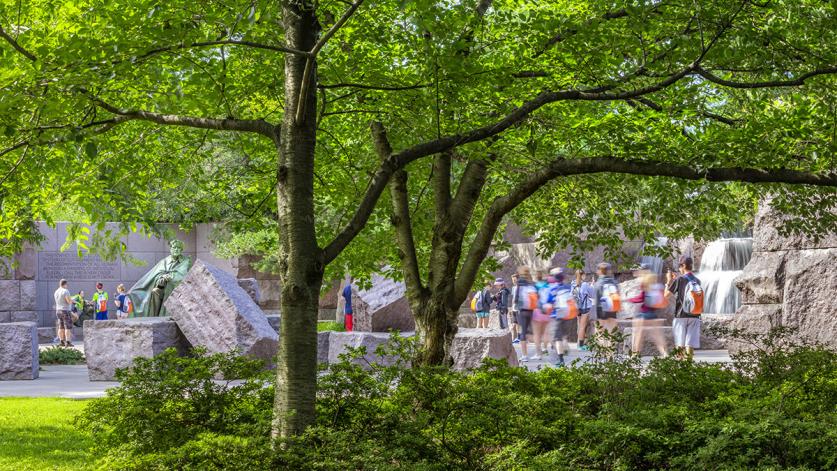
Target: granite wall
[
  {"x": 790, "y": 281},
  {"x": 27, "y": 293}
]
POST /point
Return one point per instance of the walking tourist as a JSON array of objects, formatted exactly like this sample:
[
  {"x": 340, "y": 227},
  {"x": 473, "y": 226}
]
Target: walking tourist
[
  {"x": 651, "y": 299},
  {"x": 515, "y": 323},
  {"x": 584, "y": 294},
  {"x": 347, "y": 307},
  {"x": 483, "y": 305},
  {"x": 526, "y": 302},
  {"x": 608, "y": 301},
  {"x": 100, "y": 301},
  {"x": 541, "y": 319},
  {"x": 565, "y": 312},
  {"x": 124, "y": 305},
  {"x": 501, "y": 301},
  {"x": 63, "y": 307},
  {"x": 688, "y": 306}
]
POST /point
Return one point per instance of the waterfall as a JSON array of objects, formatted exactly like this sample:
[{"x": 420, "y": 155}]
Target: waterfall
[{"x": 722, "y": 261}]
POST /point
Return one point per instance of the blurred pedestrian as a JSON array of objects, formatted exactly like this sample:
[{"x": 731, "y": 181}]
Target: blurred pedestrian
[
  {"x": 584, "y": 294},
  {"x": 527, "y": 302},
  {"x": 501, "y": 302}
]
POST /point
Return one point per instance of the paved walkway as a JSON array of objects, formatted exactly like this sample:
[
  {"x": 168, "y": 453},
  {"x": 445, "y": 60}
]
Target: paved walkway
[{"x": 548, "y": 361}]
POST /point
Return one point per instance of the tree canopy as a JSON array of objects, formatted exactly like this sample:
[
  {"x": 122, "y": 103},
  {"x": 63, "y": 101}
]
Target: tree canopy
[{"x": 140, "y": 110}]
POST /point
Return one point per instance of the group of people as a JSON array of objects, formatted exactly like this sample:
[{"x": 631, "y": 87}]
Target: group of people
[
  {"x": 547, "y": 306},
  {"x": 69, "y": 308}
]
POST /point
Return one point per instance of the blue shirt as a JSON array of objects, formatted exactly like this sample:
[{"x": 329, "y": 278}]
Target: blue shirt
[{"x": 347, "y": 295}]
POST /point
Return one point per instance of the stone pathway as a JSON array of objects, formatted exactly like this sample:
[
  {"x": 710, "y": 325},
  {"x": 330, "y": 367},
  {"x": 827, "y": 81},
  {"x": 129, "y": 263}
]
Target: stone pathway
[{"x": 548, "y": 361}]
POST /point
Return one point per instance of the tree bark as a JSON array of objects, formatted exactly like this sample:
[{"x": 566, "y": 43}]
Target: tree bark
[
  {"x": 436, "y": 325},
  {"x": 300, "y": 259}
]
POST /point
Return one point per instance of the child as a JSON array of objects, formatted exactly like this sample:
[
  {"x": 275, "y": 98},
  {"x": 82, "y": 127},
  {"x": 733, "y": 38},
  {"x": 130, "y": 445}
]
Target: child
[
  {"x": 124, "y": 305},
  {"x": 100, "y": 301}
]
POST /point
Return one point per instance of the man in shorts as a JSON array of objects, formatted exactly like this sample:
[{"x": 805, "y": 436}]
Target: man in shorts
[
  {"x": 685, "y": 326},
  {"x": 63, "y": 313}
]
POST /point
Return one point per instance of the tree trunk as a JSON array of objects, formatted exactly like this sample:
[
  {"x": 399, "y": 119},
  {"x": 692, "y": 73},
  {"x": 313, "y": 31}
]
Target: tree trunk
[
  {"x": 300, "y": 259},
  {"x": 436, "y": 325}
]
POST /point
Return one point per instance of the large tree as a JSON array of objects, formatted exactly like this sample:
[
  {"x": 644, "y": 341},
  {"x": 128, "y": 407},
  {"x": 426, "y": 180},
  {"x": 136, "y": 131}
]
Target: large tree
[{"x": 105, "y": 105}]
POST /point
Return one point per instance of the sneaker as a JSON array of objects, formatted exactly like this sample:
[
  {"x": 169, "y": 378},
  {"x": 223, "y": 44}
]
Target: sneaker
[
  {"x": 536, "y": 357},
  {"x": 544, "y": 352},
  {"x": 584, "y": 348},
  {"x": 524, "y": 359},
  {"x": 559, "y": 364},
  {"x": 69, "y": 344},
  {"x": 61, "y": 343},
  {"x": 516, "y": 341}
]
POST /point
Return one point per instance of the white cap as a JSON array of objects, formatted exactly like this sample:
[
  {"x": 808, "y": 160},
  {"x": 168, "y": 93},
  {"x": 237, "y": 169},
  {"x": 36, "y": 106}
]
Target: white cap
[{"x": 556, "y": 271}]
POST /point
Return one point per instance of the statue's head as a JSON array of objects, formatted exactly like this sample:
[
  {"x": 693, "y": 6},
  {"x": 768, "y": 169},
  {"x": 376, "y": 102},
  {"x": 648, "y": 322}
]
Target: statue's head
[{"x": 176, "y": 247}]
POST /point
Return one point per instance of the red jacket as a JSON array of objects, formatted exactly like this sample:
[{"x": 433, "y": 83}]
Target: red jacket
[{"x": 640, "y": 299}]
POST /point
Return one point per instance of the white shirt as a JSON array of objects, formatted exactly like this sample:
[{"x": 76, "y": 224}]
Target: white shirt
[{"x": 61, "y": 295}]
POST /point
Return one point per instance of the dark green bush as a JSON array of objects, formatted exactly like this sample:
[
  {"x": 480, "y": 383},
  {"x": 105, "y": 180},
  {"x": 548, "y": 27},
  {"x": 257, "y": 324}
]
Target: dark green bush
[
  {"x": 167, "y": 401},
  {"x": 773, "y": 409},
  {"x": 56, "y": 355}
]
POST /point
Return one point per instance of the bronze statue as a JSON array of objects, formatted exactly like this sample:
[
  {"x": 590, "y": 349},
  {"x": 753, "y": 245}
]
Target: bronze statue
[{"x": 149, "y": 293}]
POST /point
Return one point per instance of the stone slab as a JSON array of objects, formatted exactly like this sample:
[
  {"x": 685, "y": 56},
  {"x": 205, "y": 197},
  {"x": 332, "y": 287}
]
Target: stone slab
[
  {"x": 763, "y": 279},
  {"x": 275, "y": 321},
  {"x": 28, "y": 295},
  {"x": 471, "y": 346},
  {"x": 754, "y": 318},
  {"x": 251, "y": 286},
  {"x": 213, "y": 311},
  {"x": 9, "y": 295},
  {"x": 808, "y": 302},
  {"x": 5, "y": 316},
  {"x": 18, "y": 351},
  {"x": 24, "y": 316},
  {"x": 382, "y": 307},
  {"x": 111, "y": 345},
  {"x": 766, "y": 236},
  {"x": 339, "y": 342}
]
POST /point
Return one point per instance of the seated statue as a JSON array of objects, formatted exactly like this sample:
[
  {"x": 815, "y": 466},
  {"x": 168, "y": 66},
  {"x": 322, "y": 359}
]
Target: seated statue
[{"x": 149, "y": 293}]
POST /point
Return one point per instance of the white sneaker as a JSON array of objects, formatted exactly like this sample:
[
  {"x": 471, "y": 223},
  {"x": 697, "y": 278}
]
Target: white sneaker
[
  {"x": 524, "y": 359},
  {"x": 536, "y": 357}
]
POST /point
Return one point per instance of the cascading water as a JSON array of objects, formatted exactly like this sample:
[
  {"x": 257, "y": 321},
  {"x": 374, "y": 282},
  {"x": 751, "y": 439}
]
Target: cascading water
[{"x": 722, "y": 261}]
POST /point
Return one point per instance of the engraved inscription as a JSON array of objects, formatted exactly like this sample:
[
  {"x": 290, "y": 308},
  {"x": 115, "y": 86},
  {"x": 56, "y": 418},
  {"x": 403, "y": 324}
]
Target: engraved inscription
[{"x": 57, "y": 265}]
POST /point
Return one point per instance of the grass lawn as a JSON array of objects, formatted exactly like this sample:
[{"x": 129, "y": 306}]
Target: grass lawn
[{"x": 38, "y": 434}]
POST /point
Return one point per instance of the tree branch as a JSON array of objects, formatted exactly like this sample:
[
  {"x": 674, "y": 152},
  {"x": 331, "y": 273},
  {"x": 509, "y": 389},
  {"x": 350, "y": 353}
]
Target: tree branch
[
  {"x": 797, "y": 82},
  {"x": 566, "y": 167},
  {"x": 258, "y": 126},
  {"x": 17, "y": 45},
  {"x": 312, "y": 56},
  {"x": 224, "y": 42},
  {"x": 611, "y": 15},
  {"x": 400, "y": 215},
  {"x": 398, "y": 160},
  {"x": 371, "y": 87}
]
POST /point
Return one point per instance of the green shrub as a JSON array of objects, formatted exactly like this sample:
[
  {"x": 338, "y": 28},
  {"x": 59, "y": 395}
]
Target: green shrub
[
  {"x": 167, "y": 401},
  {"x": 56, "y": 355},
  {"x": 771, "y": 409},
  {"x": 323, "y": 326}
]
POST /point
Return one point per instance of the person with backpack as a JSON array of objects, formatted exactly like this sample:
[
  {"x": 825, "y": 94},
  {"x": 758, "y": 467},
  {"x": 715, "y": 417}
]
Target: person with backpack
[
  {"x": 540, "y": 317},
  {"x": 651, "y": 299},
  {"x": 688, "y": 306},
  {"x": 124, "y": 305},
  {"x": 584, "y": 293},
  {"x": 565, "y": 312},
  {"x": 526, "y": 299},
  {"x": 608, "y": 300},
  {"x": 501, "y": 302},
  {"x": 482, "y": 305},
  {"x": 100, "y": 301}
]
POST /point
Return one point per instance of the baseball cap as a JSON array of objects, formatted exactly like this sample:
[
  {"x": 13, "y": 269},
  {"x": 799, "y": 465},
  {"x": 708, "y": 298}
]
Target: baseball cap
[
  {"x": 499, "y": 281},
  {"x": 556, "y": 271}
]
